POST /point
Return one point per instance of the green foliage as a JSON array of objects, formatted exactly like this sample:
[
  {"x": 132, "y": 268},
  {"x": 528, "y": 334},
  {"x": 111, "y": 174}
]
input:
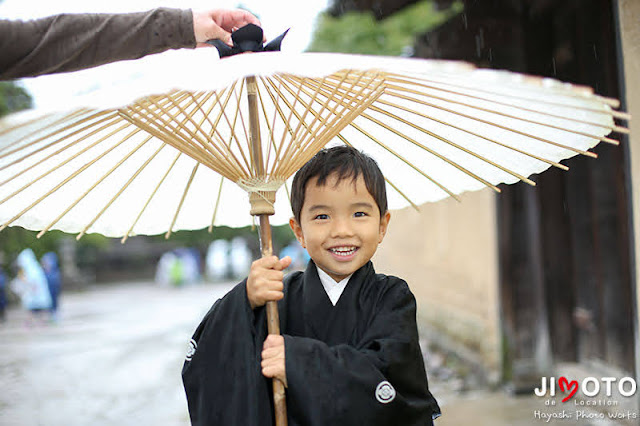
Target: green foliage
[
  {"x": 356, "y": 32},
  {"x": 13, "y": 98},
  {"x": 15, "y": 239}
]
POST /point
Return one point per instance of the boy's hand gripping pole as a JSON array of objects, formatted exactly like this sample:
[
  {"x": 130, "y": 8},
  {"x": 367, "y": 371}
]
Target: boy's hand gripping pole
[{"x": 262, "y": 206}]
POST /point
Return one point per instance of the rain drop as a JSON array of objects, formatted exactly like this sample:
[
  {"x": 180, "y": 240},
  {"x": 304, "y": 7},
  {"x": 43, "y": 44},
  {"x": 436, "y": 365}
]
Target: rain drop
[
  {"x": 595, "y": 53},
  {"x": 464, "y": 21},
  {"x": 553, "y": 61}
]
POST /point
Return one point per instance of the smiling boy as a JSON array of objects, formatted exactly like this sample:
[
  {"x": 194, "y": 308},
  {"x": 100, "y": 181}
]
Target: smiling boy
[{"x": 349, "y": 351}]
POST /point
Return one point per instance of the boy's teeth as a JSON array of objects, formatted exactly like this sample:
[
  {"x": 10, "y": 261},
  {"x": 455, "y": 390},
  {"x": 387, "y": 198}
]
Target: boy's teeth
[{"x": 343, "y": 251}]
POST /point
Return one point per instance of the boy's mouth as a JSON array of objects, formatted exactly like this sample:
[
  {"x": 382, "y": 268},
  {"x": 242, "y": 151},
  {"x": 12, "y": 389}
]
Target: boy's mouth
[{"x": 344, "y": 251}]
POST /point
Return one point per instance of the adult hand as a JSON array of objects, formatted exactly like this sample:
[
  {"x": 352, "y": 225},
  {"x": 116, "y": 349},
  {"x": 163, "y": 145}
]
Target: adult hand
[
  {"x": 273, "y": 362},
  {"x": 265, "y": 280},
  {"x": 219, "y": 23}
]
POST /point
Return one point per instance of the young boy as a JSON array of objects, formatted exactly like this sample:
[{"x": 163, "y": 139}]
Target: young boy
[{"x": 349, "y": 352}]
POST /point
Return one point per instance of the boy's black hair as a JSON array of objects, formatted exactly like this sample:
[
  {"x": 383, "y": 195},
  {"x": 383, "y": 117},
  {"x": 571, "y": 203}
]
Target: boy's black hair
[{"x": 347, "y": 162}]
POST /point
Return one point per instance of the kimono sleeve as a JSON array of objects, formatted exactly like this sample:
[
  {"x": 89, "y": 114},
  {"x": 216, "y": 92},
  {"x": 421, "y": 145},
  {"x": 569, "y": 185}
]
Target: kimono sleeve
[
  {"x": 221, "y": 374},
  {"x": 379, "y": 381}
]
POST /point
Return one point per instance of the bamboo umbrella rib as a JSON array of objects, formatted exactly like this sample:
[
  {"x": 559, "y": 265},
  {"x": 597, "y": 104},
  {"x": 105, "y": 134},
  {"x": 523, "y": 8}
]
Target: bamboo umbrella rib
[
  {"x": 601, "y": 138},
  {"x": 113, "y": 132},
  {"x": 245, "y": 129},
  {"x": 53, "y": 143},
  {"x": 234, "y": 137},
  {"x": 308, "y": 107},
  {"x": 69, "y": 178},
  {"x": 188, "y": 118},
  {"x": 265, "y": 117},
  {"x": 237, "y": 114},
  {"x": 8, "y": 129},
  {"x": 311, "y": 135},
  {"x": 146, "y": 204},
  {"x": 209, "y": 137},
  {"x": 318, "y": 118},
  {"x": 404, "y": 160},
  {"x": 292, "y": 111},
  {"x": 526, "y": 120},
  {"x": 200, "y": 106},
  {"x": 279, "y": 112},
  {"x": 220, "y": 157},
  {"x": 559, "y": 145},
  {"x": 215, "y": 209},
  {"x": 184, "y": 196},
  {"x": 301, "y": 122},
  {"x": 409, "y": 110},
  {"x": 402, "y": 194},
  {"x": 332, "y": 130},
  {"x": 126, "y": 185},
  {"x": 432, "y": 152},
  {"x": 113, "y": 119},
  {"x": 227, "y": 145},
  {"x": 64, "y": 119},
  {"x": 451, "y": 143},
  {"x": 613, "y": 102},
  {"x": 294, "y": 164},
  {"x": 223, "y": 148},
  {"x": 616, "y": 114},
  {"x": 169, "y": 138},
  {"x": 300, "y": 144},
  {"x": 180, "y": 127},
  {"x": 57, "y": 166},
  {"x": 616, "y": 128},
  {"x": 270, "y": 128}
]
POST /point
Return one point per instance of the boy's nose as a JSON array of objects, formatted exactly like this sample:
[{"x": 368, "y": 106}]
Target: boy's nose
[{"x": 341, "y": 228}]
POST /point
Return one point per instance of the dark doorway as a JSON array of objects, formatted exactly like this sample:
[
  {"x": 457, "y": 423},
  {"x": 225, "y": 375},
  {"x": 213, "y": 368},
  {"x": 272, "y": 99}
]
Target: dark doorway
[{"x": 565, "y": 257}]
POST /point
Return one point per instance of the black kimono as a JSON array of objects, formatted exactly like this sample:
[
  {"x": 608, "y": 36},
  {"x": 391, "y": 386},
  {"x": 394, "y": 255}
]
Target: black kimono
[{"x": 355, "y": 363}]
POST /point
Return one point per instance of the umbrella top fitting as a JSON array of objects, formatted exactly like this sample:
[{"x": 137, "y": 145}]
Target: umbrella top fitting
[{"x": 247, "y": 39}]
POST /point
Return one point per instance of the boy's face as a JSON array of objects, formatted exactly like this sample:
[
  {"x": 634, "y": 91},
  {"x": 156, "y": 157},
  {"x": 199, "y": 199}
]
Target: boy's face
[{"x": 340, "y": 225}]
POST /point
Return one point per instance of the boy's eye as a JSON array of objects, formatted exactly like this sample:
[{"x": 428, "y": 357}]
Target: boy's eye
[
  {"x": 360, "y": 214},
  {"x": 321, "y": 217}
]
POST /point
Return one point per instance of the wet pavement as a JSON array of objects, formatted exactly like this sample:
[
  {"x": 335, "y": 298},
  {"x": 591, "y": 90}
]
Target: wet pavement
[{"x": 115, "y": 354}]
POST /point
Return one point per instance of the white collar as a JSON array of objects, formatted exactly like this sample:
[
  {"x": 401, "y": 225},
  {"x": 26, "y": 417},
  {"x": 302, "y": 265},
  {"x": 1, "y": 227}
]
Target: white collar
[{"x": 331, "y": 287}]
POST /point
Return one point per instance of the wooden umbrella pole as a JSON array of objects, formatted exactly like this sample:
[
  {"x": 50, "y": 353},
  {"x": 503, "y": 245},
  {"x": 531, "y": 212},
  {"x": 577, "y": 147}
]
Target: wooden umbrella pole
[{"x": 261, "y": 207}]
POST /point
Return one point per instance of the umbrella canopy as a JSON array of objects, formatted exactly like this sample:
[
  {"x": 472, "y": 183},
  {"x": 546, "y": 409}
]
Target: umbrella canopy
[{"x": 175, "y": 152}]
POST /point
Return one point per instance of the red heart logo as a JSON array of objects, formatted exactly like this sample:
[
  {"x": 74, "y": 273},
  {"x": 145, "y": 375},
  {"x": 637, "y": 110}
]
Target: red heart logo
[{"x": 571, "y": 387}]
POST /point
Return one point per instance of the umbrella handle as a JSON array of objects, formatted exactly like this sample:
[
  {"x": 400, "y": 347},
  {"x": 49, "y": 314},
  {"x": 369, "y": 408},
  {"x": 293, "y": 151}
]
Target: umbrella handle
[{"x": 273, "y": 323}]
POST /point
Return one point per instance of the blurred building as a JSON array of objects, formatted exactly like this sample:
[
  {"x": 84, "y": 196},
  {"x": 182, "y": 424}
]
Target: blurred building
[{"x": 535, "y": 280}]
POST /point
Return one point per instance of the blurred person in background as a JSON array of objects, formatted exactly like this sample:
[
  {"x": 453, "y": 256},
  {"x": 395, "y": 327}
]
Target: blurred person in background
[
  {"x": 218, "y": 260},
  {"x": 71, "y": 42},
  {"x": 51, "y": 269},
  {"x": 31, "y": 285},
  {"x": 241, "y": 257}
]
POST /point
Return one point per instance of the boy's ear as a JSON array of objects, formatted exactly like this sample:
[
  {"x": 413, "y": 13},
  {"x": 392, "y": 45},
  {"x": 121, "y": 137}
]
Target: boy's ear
[
  {"x": 384, "y": 223},
  {"x": 297, "y": 230}
]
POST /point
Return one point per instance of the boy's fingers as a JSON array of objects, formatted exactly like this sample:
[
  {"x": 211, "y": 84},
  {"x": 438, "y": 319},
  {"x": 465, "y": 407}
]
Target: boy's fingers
[
  {"x": 285, "y": 262},
  {"x": 273, "y": 340},
  {"x": 267, "y": 262}
]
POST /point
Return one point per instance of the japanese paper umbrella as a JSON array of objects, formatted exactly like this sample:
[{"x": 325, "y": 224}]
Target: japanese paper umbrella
[{"x": 183, "y": 151}]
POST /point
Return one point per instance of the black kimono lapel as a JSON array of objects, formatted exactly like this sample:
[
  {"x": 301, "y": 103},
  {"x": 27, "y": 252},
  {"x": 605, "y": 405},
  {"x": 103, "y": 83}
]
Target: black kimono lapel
[
  {"x": 322, "y": 320},
  {"x": 340, "y": 359}
]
